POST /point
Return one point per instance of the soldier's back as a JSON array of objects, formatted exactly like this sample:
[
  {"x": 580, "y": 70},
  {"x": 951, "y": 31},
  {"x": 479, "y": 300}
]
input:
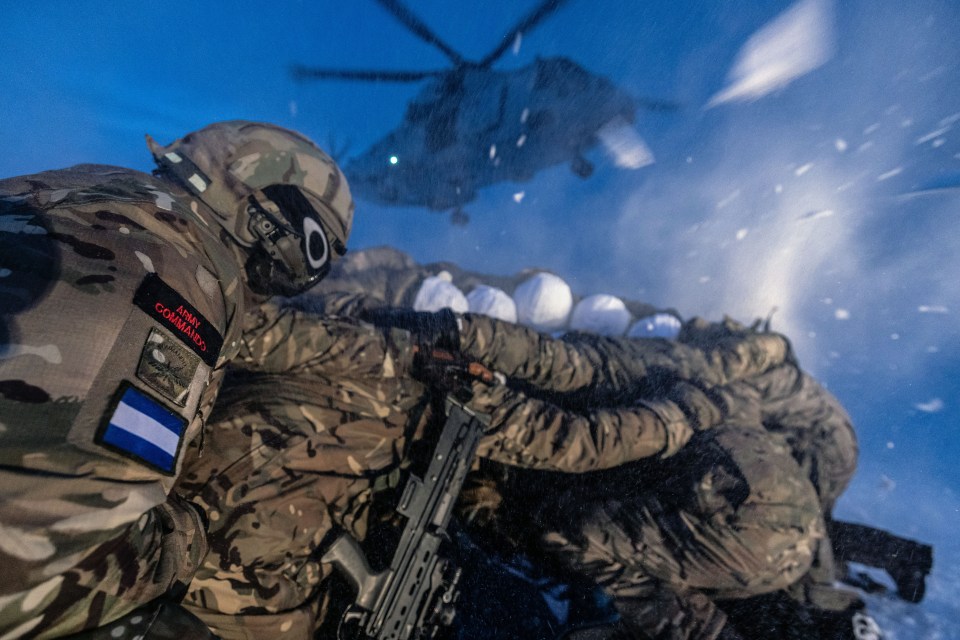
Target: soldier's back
[
  {"x": 110, "y": 282},
  {"x": 117, "y": 301}
]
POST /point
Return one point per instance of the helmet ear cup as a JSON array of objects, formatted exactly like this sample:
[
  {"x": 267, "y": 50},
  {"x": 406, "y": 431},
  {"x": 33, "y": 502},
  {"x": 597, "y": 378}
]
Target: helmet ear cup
[
  {"x": 317, "y": 247},
  {"x": 288, "y": 257},
  {"x": 269, "y": 277}
]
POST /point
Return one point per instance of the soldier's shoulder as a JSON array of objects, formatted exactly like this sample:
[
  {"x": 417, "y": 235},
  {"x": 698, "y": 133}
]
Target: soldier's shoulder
[
  {"x": 382, "y": 257},
  {"x": 106, "y": 186},
  {"x": 80, "y": 173},
  {"x": 83, "y": 182}
]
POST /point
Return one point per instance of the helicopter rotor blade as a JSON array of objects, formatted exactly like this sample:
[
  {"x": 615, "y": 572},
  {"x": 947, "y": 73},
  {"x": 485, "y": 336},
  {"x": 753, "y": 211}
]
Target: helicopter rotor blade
[
  {"x": 656, "y": 104},
  {"x": 421, "y": 30},
  {"x": 303, "y": 73},
  {"x": 527, "y": 23}
]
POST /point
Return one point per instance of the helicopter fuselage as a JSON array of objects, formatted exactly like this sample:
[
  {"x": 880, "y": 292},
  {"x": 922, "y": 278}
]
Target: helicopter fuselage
[{"x": 475, "y": 126}]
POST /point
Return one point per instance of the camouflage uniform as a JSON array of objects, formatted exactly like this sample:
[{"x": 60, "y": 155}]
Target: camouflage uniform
[
  {"x": 289, "y": 460},
  {"x": 121, "y": 305},
  {"x": 732, "y": 515},
  {"x": 798, "y": 413},
  {"x": 797, "y": 409}
]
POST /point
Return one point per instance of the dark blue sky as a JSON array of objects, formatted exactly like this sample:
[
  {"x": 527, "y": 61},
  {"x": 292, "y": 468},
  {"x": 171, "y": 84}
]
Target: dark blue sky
[{"x": 795, "y": 200}]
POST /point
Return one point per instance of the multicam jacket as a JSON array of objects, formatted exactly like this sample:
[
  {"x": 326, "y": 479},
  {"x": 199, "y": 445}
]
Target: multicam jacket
[
  {"x": 790, "y": 442},
  {"x": 740, "y": 368},
  {"x": 120, "y": 308},
  {"x": 291, "y": 460}
]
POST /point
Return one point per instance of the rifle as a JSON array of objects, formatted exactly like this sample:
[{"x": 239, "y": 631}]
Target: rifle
[{"x": 414, "y": 597}]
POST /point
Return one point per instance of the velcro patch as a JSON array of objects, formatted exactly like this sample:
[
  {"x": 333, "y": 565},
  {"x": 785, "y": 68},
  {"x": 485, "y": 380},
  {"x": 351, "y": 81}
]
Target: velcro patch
[
  {"x": 143, "y": 429},
  {"x": 167, "y": 367},
  {"x": 160, "y": 301}
]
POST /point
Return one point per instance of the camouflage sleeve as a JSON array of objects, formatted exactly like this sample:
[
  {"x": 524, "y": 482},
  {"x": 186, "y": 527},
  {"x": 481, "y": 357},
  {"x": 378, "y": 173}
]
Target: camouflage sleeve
[
  {"x": 383, "y": 273},
  {"x": 583, "y": 361},
  {"x": 340, "y": 303},
  {"x": 736, "y": 351},
  {"x": 280, "y": 339},
  {"x": 71, "y": 564},
  {"x": 536, "y": 434}
]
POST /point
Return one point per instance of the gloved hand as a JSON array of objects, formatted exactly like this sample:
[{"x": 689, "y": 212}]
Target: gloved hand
[
  {"x": 450, "y": 371},
  {"x": 703, "y": 333},
  {"x": 431, "y": 330},
  {"x": 741, "y": 350},
  {"x": 703, "y": 411}
]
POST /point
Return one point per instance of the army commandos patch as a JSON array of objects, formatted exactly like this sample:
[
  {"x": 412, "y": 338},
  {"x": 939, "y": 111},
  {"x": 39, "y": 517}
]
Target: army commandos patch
[{"x": 161, "y": 302}]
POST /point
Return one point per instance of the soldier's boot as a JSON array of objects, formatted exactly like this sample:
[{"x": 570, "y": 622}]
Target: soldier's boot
[
  {"x": 617, "y": 631},
  {"x": 852, "y": 624},
  {"x": 910, "y": 571},
  {"x": 907, "y": 561}
]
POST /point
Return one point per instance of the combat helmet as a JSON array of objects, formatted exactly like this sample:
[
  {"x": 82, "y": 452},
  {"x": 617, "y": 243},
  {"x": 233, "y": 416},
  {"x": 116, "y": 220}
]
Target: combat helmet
[{"x": 280, "y": 198}]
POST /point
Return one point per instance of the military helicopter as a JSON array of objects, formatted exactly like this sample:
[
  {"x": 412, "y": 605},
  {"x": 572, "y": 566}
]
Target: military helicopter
[{"x": 472, "y": 126}]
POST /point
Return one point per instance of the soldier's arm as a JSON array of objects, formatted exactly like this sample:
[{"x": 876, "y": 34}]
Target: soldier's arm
[
  {"x": 536, "y": 434},
  {"x": 280, "y": 339},
  {"x": 339, "y": 303},
  {"x": 81, "y": 550},
  {"x": 589, "y": 362}
]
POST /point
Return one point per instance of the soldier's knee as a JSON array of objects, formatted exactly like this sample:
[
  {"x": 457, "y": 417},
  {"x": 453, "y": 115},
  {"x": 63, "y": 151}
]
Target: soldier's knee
[{"x": 777, "y": 526}]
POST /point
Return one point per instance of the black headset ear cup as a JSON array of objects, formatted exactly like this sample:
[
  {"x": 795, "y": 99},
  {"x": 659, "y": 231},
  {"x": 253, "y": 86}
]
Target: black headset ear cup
[
  {"x": 316, "y": 244},
  {"x": 294, "y": 249}
]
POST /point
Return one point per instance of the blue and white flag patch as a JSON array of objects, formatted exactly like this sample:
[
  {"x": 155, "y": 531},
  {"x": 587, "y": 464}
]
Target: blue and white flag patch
[{"x": 145, "y": 430}]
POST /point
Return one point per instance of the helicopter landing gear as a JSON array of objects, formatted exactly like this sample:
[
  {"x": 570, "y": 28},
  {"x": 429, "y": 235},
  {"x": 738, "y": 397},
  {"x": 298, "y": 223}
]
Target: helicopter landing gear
[{"x": 582, "y": 167}]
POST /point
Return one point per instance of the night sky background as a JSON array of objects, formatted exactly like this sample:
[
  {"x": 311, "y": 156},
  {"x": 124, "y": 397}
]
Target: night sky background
[{"x": 833, "y": 198}]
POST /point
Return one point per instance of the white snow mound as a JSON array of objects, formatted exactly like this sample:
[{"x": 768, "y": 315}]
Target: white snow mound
[
  {"x": 659, "y": 325},
  {"x": 601, "y": 313},
  {"x": 493, "y": 302},
  {"x": 543, "y": 302},
  {"x": 438, "y": 292}
]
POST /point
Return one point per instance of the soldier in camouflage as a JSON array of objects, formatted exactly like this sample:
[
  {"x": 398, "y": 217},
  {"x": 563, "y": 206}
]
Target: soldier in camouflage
[
  {"x": 795, "y": 410},
  {"x": 622, "y": 545},
  {"x": 730, "y": 516},
  {"x": 123, "y": 297},
  {"x": 291, "y": 460}
]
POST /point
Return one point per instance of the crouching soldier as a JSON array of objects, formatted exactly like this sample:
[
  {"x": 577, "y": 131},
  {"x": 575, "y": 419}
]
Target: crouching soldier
[
  {"x": 290, "y": 461},
  {"x": 796, "y": 411},
  {"x": 124, "y": 296}
]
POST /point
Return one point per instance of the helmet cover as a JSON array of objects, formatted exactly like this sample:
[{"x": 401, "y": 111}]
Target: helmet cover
[{"x": 276, "y": 194}]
